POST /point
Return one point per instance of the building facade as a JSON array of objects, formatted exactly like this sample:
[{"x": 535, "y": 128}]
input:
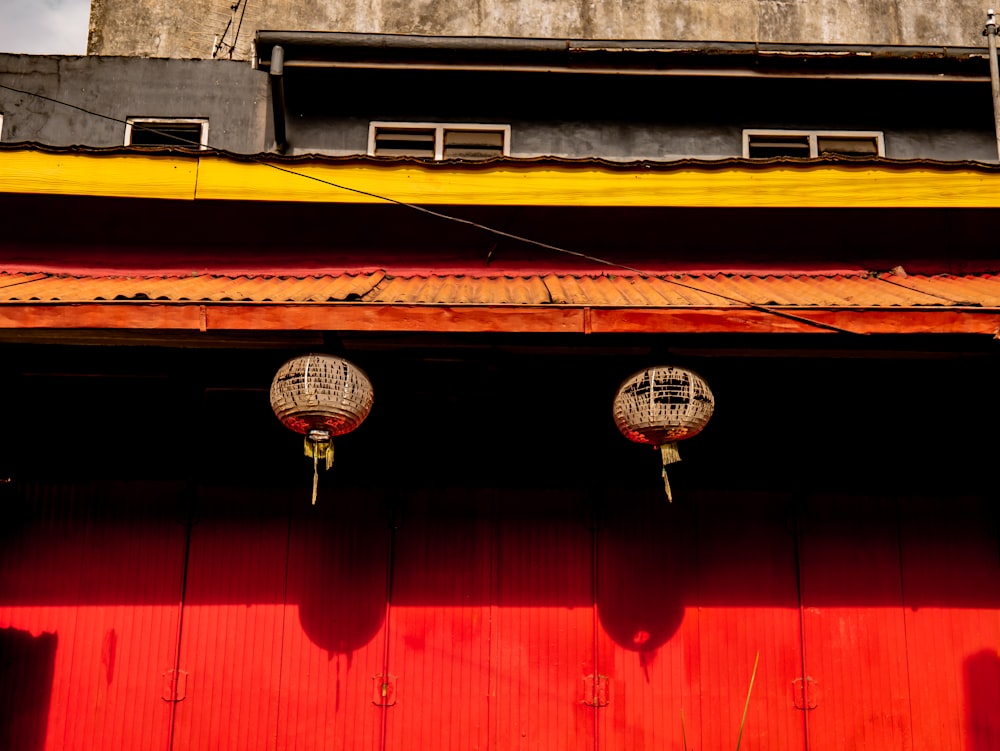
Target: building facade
[{"x": 499, "y": 231}]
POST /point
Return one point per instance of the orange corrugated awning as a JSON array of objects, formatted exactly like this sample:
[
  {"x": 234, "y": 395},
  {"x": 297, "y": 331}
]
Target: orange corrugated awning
[
  {"x": 861, "y": 303},
  {"x": 861, "y": 290}
]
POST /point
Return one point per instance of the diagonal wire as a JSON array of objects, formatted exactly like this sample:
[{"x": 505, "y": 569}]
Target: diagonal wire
[
  {"x": 136, "y": 126},
  {"x": 239, "y": 26},
  {"x": 907, "y": 287},
  {"x": 567, "y": 251},
  {"x": 448, "y": 217}
]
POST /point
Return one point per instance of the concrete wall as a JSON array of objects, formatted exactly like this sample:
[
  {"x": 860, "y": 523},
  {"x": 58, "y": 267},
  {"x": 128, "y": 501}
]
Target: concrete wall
[
  {"x": 230, "y": 94},
  {"x": 189, "y": 28}
]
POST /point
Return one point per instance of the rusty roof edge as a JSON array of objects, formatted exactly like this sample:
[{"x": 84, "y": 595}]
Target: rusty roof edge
[
  {"x": 764, "y": 308},
  {"x": 379, "y": 274},
  {"x": 687, "y": 163}
]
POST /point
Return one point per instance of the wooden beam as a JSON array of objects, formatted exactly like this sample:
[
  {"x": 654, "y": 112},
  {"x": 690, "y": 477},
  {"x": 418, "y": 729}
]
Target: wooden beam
[
  {"x": 853, "y": 320},
  {"x": 347, "y": 317},
  {"x": 492, "y": 319}
]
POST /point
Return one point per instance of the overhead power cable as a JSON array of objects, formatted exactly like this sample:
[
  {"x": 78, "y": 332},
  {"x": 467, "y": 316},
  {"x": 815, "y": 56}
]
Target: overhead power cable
[
  {"x": 263, "y": 160},
  {"x": 221, "y": 40}
]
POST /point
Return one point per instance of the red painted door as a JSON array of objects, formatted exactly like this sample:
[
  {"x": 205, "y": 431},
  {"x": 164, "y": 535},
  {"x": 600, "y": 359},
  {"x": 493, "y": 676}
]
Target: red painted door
[
  {"x": 544, "y": 627},
  {"x": 747, "y": 597},
  {"x": 854, "y": 628},
  {"x": 334, "y": 628},
  {"x": 234, "y": 609},
  {"x": 437, "y": 667},
  {"x": 689, "y": 594},
  {"x": 951, "y": 576},
  {"x": 647, "y": 587},
  {"x": 90, "y": 590}
]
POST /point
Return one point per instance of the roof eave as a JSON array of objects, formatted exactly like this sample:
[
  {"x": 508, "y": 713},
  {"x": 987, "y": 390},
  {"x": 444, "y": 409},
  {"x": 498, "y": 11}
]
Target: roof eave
[
  {"x": 235, "y": 317},
  {"x": 643, "y": 56}
]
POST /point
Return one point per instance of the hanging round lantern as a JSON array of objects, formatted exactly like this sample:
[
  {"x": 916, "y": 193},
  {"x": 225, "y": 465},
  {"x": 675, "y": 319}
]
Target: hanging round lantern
[
  {"x": 660, "y": 406},
  {"x": 320, "y": 396}
]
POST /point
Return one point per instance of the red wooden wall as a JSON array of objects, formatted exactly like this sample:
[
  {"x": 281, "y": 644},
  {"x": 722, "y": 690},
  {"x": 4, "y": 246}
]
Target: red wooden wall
[{"x": 163, "y": 617}]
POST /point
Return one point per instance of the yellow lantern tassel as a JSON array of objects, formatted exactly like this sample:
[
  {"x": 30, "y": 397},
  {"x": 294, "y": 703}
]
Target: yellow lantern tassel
[
  {"x": 315, "y": 476},
  {"x": 318, "y": 447},
  {"x": 668, "y": 455}
]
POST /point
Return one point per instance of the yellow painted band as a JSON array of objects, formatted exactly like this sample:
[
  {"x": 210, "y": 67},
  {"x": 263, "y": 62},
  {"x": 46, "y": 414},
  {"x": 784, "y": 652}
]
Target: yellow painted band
[
  {"x": 213, "y": 177},
  {"x": 91, "y": 175}
]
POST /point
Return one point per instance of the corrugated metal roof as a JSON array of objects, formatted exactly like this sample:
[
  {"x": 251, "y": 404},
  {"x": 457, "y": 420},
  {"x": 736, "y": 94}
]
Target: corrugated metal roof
[
  {"x": 187, "y": 288},
  {"x": 862, "y": 290}
]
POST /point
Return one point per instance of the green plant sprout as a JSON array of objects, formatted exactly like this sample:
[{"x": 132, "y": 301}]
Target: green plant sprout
[{"x": 743, "y": 720}]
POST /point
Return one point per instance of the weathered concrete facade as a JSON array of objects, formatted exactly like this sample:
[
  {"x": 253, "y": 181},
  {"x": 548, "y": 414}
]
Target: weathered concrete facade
[
  {"x": 190, "y": 28},
  {"x": 231, "y": 95}
]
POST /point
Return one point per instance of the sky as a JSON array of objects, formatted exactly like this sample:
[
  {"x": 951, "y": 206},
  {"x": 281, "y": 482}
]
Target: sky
[{"x": 44, "y": 27}]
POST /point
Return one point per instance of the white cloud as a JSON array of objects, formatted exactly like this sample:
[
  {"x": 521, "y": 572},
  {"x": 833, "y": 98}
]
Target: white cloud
[{"x": 44, "y": 27}]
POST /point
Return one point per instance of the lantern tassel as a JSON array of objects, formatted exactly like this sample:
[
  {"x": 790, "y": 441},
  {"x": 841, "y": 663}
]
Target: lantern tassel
[
  {"x": 317, "y": 447},
  {"x": 315, "y": 476},
  {"x": 666, "y": 487},
  {"x": 668, "y": 455}
]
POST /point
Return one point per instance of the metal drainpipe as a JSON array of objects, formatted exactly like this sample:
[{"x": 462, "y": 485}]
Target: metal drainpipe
[
  {"x": 990, "y": 32},
  {"x": 276, "y": 75}
]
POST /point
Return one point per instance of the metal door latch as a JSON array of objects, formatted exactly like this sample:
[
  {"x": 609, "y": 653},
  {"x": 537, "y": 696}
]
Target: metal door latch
[
  {"x": 174, "y": 685},
  {"x": 804, "y": 693},
  {"x": 384, "y": 690},
  {"x": 596, "y": 690}
]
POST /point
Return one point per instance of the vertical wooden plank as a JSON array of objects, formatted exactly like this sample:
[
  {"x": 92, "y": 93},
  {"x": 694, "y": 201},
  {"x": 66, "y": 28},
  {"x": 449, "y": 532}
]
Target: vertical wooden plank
[
  {"x": 233, "y": 613},
  {"x": 334, "y": 625},
  {"x": 544, "y": 625},
  {"x": 27, "y": 664},
  {"x": 438, "y": 647},
  {"x": 134, "y": 635},
  {"x": 646, "y": 602},
  {"x": 951, "y": 584},
  {"x": 855, "y": 633},
  {"x": 748, "y": 602},
  {"x": 44, "y": 562},
  {"x": 94, "y": 579}
]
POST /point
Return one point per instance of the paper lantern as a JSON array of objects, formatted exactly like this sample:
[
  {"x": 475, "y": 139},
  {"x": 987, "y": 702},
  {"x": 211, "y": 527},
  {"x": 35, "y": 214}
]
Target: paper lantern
[
  {"x": 320, "y": 396},
  {"x": 660, "y": 406}
]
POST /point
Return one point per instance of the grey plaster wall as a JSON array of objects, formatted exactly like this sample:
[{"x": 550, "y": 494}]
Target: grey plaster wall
[
  {"x": 629, "y": 118},
  {"x": 622, "y": 118},
  {"x": 191, "y": 28},
  {"x": 230, "y": 94}
]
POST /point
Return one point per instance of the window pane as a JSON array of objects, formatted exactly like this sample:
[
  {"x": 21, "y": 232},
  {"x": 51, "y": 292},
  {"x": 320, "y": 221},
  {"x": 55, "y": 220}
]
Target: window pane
[
  {"x": 473, "y": 144},
  {"x": 761, "y": 147},
  {"x": 847, "y": 145},
  {"x": 165, "y": 134},
  {"x": 404, "y": 142}
]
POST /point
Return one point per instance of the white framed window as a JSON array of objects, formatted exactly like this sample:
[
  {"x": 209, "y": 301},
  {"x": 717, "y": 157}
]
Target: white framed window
[
  {"x": 166, "y": 131},
  {"x": 438, "y": 140},
  {"x": 763, "y": 143}
]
